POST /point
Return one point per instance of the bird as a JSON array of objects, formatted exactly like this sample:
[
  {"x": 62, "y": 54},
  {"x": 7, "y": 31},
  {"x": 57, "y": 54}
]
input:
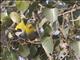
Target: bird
[{"x": 28, "y": 29}]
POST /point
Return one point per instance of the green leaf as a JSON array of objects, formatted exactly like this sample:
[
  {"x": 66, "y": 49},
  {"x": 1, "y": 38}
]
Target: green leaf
[
  {"x": 51, "y": 14},
  {"x": 47, "y": 29},
  {"x": 33, "y": 50},
  {"x": 37, "y": 58},
  {"x": 22, "y": 5},
  {"x": 12, "y": 56},
  {"x": 8, "y": 55},
  {"x": 75, "y": 45},
  {"x": 24, "y": 51},
  {"x": 77, "y": 24},
  {"x": 15, "y": 17},
  {"x": 43, "y": 21},
  {"x": 3, "y": 16},
  {"x": 32, "y": 7},
  {"x": 6, "y": 21},
  {"x": 47, "y": 44}
]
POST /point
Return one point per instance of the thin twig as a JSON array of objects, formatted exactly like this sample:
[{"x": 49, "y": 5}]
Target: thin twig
[{"x": 74, "y": 9}]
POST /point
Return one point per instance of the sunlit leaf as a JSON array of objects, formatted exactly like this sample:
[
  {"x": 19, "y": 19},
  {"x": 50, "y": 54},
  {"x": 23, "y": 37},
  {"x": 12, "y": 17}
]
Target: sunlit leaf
[
  {"x": 15, "y": 17},
  {"x": 47, "y": 44},
  {"x": 22, "y": 5},
  {"x": 51, "y": 14},
  {"x": 44, "y": 20}
]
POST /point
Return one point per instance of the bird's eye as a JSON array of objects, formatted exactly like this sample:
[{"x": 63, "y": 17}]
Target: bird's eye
[{"x": 61, "y": 57}]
